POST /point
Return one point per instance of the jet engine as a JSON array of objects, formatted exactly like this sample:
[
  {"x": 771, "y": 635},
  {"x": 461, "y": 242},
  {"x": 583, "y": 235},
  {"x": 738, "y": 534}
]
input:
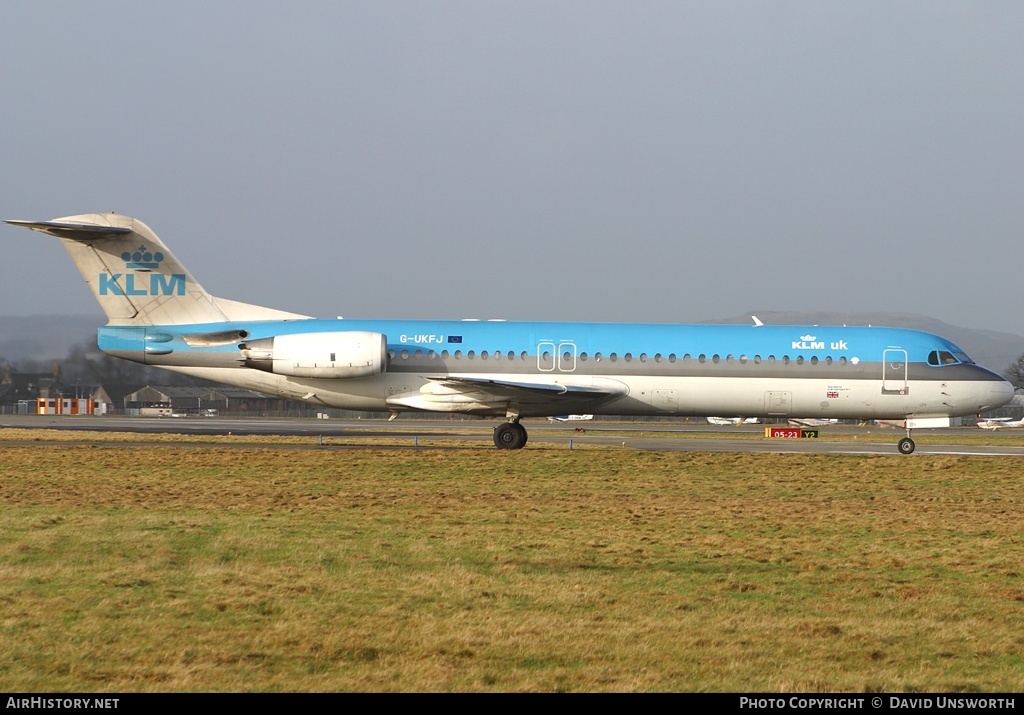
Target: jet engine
[{"x": 345, "y": 354}]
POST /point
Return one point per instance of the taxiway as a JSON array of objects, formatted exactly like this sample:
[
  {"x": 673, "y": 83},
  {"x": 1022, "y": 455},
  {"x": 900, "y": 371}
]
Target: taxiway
[{"x": 674, "y": 437}]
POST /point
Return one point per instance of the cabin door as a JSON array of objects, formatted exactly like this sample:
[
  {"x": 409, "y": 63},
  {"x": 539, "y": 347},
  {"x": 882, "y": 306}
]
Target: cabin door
[{"x": 894, "y": 372}]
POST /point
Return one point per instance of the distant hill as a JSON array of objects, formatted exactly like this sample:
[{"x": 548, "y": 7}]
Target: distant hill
[
  {"x": 49, "y": 337},
  {"x": 990, "y": 348}
]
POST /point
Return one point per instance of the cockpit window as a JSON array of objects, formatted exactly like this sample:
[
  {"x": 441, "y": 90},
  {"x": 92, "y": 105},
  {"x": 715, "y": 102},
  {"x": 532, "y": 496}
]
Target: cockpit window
[{"x": 945, "y": 357}]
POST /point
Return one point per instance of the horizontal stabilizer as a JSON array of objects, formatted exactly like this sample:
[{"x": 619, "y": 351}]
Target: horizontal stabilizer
[{"x": 74, "y": 231}]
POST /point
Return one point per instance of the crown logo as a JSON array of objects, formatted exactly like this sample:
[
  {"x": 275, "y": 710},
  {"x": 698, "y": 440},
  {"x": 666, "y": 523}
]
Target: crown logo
[
  {"x": 807, "y": 337},
  {"x": 141, "y": 258}
]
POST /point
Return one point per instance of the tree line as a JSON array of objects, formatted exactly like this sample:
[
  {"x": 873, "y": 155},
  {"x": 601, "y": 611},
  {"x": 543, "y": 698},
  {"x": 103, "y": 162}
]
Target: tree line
[{"x": 86, "y": 364}]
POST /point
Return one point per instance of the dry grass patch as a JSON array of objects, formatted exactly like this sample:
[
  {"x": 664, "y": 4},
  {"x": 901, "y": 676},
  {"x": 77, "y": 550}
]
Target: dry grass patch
[{"x": 176, "y": 568}]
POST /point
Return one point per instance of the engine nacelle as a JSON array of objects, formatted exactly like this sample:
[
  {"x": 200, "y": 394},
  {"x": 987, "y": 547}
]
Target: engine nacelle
[{"x": 345, "y": 354}]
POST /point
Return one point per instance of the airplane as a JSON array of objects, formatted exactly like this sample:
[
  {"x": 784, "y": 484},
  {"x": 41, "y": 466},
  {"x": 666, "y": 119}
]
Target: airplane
[
  {"x": 158, "y": 314},
  {"x": 732, "y": 420},
  {"x": 569, "y": 418},
  {"x": 994, "y": 423},
  {"x": 812, "y": 421}
]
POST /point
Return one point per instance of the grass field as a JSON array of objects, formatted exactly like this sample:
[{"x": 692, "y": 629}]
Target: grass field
[{"x": 203, "y": 567}]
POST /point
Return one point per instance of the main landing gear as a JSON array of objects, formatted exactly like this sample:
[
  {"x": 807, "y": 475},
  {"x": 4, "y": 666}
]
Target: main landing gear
[{"x": 510, "y": 435}]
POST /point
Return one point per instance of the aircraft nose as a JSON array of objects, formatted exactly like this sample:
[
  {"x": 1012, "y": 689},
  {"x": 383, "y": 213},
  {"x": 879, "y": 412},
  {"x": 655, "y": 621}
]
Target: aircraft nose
[
  {"x": 993, "y": 392},
  {"x": 1001, "y": 393}
]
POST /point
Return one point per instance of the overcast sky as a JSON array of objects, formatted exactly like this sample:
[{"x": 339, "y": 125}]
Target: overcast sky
[{"x": 624, "y": 161}]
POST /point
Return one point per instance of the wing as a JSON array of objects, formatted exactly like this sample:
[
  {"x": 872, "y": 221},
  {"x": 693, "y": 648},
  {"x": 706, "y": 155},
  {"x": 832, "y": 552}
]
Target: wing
[
  {"x": 476, "y": 395},
  {"x": 522, "y": 389}
]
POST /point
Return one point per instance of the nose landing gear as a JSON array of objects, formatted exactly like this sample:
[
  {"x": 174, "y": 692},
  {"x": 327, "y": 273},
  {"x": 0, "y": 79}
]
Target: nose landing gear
[{"x": 906, "y": 445}]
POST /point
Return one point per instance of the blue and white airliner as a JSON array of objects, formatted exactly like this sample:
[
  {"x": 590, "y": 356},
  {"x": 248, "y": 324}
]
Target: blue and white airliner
[{"x": 159, "y": 315}]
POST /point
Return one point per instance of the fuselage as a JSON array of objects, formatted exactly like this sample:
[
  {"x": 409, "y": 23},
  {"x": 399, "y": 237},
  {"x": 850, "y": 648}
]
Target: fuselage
[{"x": 605, "y": 368}]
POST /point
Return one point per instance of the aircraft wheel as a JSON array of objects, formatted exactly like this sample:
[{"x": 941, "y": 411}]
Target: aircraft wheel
[
  {"x": 509, "y": 435},
  {"x": 906, "y": 445}
]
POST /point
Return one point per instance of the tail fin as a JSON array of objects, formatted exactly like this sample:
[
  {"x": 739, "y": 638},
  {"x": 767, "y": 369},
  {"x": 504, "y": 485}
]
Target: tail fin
[{"x": 136, "y": 280}]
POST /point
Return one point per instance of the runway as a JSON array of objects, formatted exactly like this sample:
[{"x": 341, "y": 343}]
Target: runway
[{"x": 426, "y": 433}]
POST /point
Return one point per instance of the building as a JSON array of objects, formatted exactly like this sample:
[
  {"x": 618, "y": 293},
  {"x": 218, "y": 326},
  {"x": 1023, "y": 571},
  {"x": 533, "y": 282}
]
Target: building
[{"x": 207, "y": 401}]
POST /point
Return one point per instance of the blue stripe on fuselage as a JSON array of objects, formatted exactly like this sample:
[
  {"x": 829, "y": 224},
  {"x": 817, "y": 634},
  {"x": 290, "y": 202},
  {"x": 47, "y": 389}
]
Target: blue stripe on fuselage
[{"x": 866, "y": 343}]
